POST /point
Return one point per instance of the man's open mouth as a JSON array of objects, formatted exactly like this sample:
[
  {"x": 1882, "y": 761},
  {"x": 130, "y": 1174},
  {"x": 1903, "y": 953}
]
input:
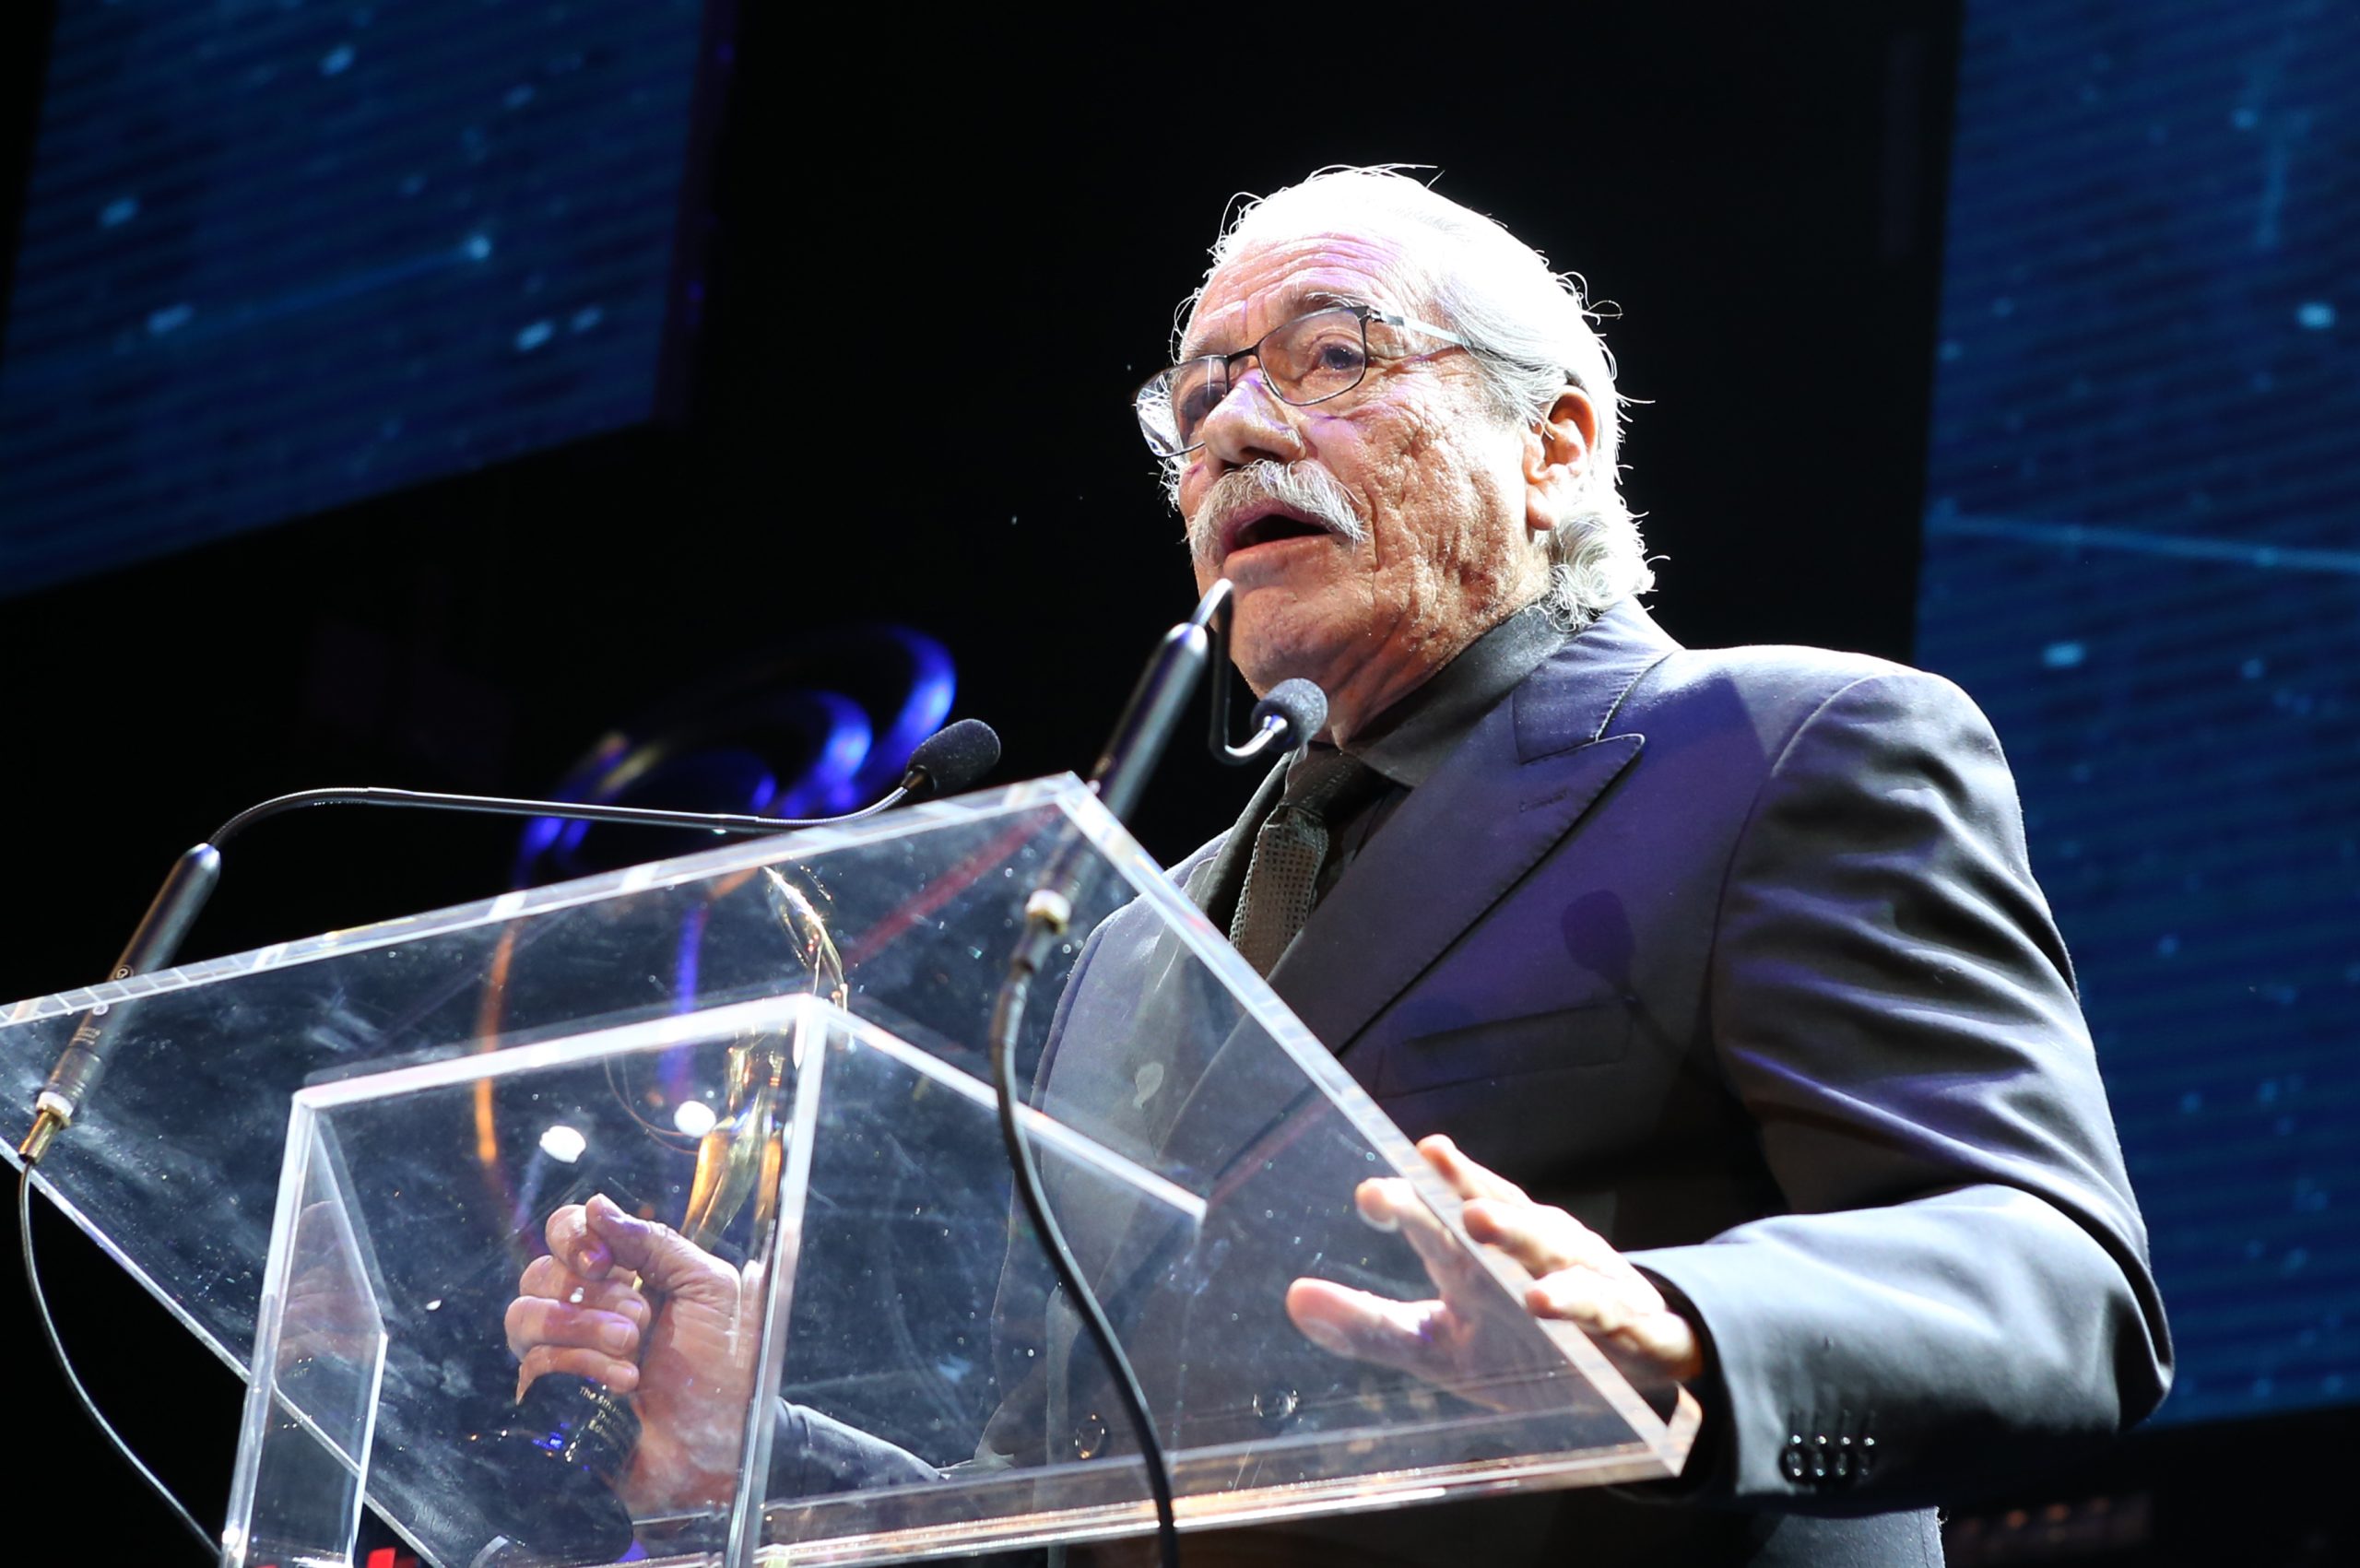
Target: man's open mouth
[{"x": 1269, "y": 527}]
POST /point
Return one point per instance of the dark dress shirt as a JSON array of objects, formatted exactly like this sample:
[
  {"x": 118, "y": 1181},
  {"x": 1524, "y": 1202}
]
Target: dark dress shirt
[{"x": 1409, "y": 740}]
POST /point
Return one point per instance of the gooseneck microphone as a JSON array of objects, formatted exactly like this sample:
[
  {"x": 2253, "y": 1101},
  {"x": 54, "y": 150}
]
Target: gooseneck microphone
[
  {"x": 950, "y": 759},
  {"x": 1293, "y": 712},
  {"x": 944, "y": 763},
  {"x": 1139, "y": 737}
]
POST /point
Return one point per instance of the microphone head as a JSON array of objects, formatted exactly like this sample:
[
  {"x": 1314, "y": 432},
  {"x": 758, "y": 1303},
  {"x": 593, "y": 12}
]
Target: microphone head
[
  {"x": 952, "y": 759},
  {"x": 1302, "y": 706}
]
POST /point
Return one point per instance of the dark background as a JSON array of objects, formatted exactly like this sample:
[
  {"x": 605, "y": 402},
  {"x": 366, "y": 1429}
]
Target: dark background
[{"x": 935, "y": 258}]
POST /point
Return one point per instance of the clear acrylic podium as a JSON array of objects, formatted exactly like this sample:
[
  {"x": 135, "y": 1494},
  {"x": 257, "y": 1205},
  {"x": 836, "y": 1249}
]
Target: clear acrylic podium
[{"x": 789, "y": 1034}]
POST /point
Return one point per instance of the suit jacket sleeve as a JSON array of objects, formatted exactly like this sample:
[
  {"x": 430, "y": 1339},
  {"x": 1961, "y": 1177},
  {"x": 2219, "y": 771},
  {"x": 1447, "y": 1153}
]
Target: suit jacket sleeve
[{"x": 1960, "y": 1286}]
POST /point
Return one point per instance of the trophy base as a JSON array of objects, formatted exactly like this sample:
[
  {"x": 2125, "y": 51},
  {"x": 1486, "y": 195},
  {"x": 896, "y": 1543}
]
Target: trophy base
[{"x": 558, "y": 1455}]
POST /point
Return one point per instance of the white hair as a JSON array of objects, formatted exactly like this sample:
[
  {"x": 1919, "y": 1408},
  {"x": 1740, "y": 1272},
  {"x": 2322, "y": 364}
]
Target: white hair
[{"x": 1529, "y": 329}]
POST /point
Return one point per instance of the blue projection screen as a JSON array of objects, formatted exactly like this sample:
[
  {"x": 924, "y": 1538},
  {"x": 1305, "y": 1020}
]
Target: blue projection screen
[
  {"x": 278, "y": 256},
  {"x": 2142, "y": 556}
]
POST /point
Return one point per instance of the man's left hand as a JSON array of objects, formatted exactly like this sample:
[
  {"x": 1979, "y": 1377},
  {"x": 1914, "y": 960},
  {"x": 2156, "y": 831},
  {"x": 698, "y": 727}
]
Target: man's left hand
[{"x": 1578, "y": 1278}]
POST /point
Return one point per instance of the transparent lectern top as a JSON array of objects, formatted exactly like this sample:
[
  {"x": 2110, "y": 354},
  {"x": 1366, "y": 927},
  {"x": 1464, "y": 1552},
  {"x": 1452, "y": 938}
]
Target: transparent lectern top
[{"x": 1199, "y": 1146}]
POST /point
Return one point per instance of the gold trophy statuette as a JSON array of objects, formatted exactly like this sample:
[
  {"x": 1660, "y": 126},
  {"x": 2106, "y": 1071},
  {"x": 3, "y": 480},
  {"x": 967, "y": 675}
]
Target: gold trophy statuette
[{"x": 569, "y": 1440}]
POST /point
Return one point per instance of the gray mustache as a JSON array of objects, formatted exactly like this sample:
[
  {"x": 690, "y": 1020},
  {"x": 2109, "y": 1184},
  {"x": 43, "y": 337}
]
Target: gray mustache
[{"x": 1297, "y": 485}]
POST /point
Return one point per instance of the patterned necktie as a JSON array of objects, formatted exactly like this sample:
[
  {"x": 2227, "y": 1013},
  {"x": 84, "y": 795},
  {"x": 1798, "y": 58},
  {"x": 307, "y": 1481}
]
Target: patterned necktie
[{"x": 1282, "y": 879}]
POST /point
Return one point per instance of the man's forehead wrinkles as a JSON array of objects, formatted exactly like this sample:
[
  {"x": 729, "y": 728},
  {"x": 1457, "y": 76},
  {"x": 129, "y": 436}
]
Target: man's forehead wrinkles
[{"x": 1307, "y": 290}]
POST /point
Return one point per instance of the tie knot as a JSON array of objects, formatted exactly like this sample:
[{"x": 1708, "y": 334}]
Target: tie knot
[
  {"x": 1282, "y": 879},
  {"x": 1328, "y": 782}
]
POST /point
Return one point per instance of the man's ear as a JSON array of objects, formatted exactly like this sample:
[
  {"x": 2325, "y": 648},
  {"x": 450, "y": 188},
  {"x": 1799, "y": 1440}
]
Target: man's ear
[{"x": 1558, "y": 449}]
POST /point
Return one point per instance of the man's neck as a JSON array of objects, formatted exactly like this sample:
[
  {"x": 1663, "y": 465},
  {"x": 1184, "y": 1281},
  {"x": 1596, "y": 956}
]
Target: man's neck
[
  {"x": 1374, "y": 691},
  {"x": 1409, "y": 740},
  {"x": 1379, "y": 686}
]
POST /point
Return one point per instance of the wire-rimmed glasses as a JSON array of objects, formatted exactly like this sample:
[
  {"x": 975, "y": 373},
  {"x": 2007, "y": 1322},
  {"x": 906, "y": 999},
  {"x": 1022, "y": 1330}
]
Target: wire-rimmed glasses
[{"x": 1317, "y": 356}]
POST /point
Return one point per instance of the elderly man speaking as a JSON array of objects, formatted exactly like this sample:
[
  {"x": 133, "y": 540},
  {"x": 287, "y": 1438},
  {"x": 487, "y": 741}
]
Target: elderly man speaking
[{"x": 1717, "y": 982}]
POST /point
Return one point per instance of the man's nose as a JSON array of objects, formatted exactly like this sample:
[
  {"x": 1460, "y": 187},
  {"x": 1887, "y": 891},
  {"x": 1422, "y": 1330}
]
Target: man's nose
[{"x": 1249, "y": 423}]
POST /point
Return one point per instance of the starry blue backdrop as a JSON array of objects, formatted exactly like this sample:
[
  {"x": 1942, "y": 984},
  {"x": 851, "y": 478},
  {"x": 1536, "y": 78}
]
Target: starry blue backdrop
[
  {"x": 2142, "y": 556},
  {"x": 277, "y": 256}
]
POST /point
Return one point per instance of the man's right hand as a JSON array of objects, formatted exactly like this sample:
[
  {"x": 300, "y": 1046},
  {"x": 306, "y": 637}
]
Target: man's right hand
[{"x": 679, "y": 1340}]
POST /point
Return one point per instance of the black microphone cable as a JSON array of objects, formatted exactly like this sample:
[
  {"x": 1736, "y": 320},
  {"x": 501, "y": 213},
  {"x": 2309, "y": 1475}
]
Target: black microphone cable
[
  {"x": 950, "y": 761},
  {"x": 206, "y": 1541},
  {"x": 1288, "y": 716}
]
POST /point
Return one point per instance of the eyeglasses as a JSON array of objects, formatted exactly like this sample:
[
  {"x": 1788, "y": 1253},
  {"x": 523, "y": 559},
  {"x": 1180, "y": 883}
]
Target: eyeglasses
[{"x": 1307, "y": 360}]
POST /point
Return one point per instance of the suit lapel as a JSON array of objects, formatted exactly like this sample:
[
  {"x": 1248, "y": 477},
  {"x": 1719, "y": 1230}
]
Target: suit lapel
[{"x": 1509, "y": 793}]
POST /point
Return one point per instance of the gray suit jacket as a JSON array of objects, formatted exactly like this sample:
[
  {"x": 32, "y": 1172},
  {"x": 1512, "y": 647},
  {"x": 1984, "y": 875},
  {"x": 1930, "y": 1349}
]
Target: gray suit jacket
[{"x": 1738, "y": 956}]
